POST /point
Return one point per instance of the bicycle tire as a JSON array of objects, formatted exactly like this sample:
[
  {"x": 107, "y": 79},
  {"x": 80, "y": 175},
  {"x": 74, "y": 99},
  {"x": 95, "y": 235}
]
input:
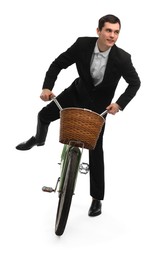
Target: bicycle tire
[{"x": 65, "y": 197}]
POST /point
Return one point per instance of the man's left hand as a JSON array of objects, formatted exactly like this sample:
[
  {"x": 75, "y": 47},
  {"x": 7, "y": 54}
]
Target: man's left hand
[{"x": 113, "y": 108}]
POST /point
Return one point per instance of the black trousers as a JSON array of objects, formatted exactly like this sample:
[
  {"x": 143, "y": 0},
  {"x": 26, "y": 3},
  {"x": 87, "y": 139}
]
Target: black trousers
[{"x": 69, "y": 98}]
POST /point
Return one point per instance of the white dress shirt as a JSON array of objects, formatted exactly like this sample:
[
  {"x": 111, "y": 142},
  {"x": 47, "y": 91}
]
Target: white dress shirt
[{"x": 98, "y": 64}]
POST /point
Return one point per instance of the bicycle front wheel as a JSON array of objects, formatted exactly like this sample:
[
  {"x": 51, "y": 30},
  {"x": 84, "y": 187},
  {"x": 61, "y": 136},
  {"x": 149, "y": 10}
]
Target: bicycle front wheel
[{"x": 66, "y": 194}]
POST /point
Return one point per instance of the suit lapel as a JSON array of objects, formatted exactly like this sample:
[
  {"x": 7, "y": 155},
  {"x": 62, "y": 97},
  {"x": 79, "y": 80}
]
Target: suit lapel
[
  {"x": 88, "y": 56},
  {"x": 109, "y": 63}
]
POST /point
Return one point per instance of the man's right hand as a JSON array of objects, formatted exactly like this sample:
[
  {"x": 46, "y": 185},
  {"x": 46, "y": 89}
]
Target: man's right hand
[{"x": 46, "y": 94}]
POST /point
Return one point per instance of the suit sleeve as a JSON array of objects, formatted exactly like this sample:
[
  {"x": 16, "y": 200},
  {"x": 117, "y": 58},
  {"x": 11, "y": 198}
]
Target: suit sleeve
[
  {"x": 63, "y": 61},
  {"x": 131, "y": 77}
]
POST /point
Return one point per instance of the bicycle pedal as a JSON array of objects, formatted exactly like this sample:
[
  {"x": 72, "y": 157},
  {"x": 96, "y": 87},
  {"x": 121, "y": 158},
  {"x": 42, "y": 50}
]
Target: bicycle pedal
[
  {"x": 84, "y": 168},
  {"x": 48, "y": 189}
]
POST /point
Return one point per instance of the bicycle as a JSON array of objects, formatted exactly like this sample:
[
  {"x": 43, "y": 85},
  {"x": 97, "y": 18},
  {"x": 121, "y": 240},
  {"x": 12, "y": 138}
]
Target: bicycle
[{"x": 79, "y": 128}]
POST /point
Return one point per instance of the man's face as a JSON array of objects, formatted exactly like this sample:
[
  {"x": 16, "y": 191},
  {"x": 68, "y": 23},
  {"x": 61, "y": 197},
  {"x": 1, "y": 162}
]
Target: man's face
[{"x": 108, "y": 35}]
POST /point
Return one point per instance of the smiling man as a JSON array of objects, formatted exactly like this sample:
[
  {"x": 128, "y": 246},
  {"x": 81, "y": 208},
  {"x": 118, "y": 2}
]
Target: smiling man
[
  {"x": 108, "y": 35},
  {"x": 100, "y": 65}
]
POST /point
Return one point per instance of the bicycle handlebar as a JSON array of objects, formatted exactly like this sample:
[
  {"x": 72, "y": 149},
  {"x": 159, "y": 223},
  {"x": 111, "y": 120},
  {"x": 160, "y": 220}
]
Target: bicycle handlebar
[
  {"x": 104, "y": 113},
  {"x": 60, "y": 107},
  {"x": 57, "y": 103}
]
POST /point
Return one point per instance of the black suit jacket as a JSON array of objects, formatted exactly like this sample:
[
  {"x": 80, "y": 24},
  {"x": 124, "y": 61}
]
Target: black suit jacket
[{"x": 119, "y": 65}]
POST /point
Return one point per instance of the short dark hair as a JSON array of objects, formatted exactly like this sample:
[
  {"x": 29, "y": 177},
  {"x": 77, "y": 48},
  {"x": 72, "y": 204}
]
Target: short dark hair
[{"x": 110, "y": 18}]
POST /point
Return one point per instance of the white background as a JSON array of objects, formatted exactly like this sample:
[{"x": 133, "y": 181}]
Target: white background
[{"x": 132, "y": 225}]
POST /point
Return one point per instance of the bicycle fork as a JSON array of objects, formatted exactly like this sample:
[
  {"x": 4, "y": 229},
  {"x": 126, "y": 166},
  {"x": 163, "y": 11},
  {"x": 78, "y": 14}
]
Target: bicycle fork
[{"x": 83, "y": 168}]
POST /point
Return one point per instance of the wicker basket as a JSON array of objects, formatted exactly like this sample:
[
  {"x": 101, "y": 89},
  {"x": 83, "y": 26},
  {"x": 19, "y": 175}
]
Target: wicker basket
[{"x": 80, "y": 125}]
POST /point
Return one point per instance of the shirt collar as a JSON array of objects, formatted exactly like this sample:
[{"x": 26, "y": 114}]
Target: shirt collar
[{"x": 104, "y": 53}]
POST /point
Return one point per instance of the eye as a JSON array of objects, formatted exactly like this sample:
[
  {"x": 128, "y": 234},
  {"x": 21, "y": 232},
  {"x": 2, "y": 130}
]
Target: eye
[{"x": 117, "y": 32}]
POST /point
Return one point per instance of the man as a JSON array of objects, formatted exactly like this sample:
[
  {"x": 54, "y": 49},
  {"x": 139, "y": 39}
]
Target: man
[{"x": 100, "y": 65}]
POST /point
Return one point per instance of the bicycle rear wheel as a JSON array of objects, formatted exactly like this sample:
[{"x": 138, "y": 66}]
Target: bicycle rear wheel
[{"x": 66, "y": 194}]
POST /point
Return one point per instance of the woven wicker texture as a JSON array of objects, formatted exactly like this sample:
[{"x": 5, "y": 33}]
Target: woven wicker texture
[{"x": 80, "y": 125}]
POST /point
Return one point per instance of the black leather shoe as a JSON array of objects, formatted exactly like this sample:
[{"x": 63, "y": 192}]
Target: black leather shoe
[
  {"x": 95, "y": 208},
  {"x": 28, "y": 144}
]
